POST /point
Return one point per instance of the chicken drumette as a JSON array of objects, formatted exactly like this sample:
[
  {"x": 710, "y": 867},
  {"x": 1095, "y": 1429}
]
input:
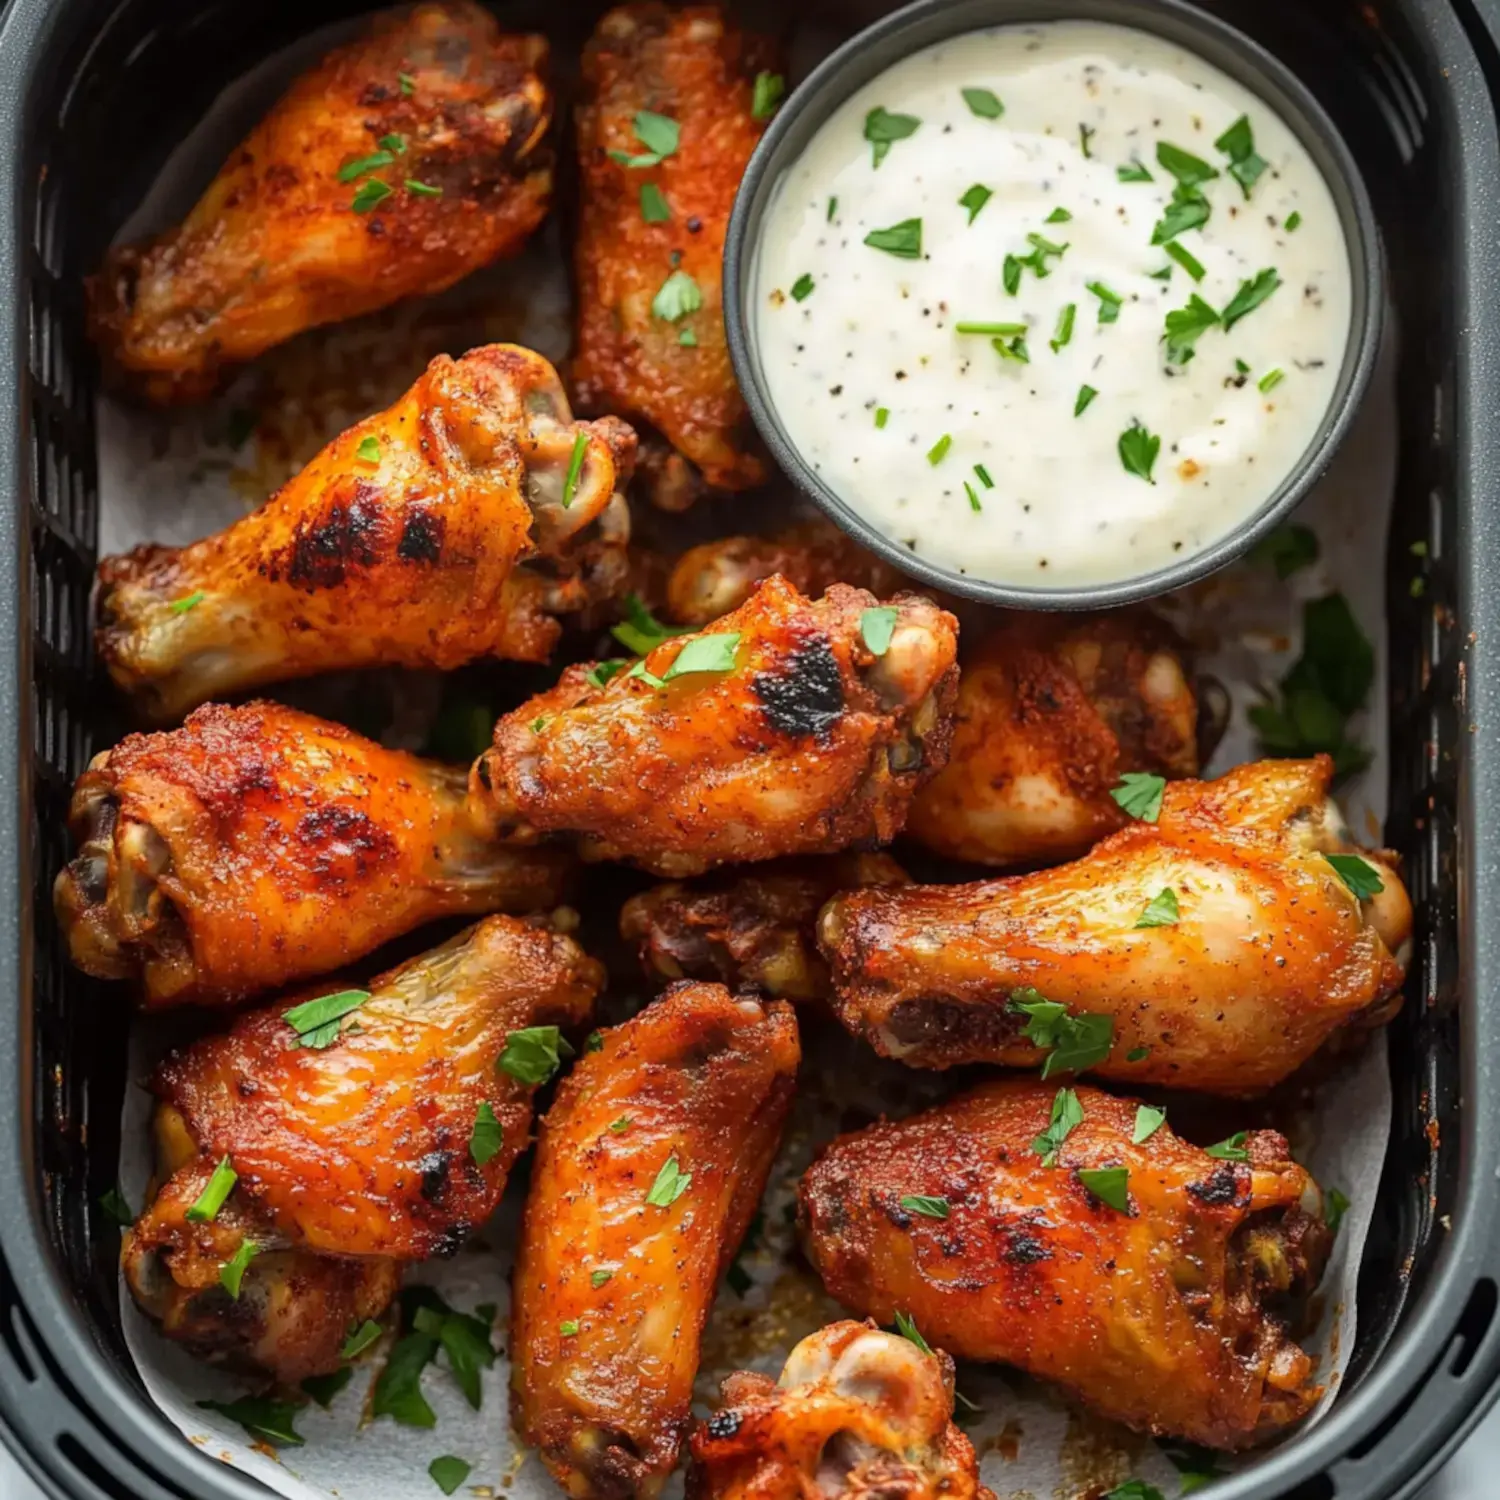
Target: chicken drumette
[
  {"x": 792, "y": 727},
  {"x": 1215, "y": 948},
  {"x": 380, "y": 1136},
  {"x": 258, "y": 846},
  {"x": 1148, "y": 1280},
  {"x": 404, "y": 161},
  {"x": 857, "y": 1413},
  {"x": 664, "y": 133},
  {"x": 454, "y": 525},
  {"x": 649, "y": 1166},
  {"x": 1051, "y": 710}
]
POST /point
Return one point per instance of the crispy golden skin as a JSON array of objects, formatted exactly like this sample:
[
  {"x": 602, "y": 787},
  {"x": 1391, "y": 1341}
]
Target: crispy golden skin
[
  {"x": 350, "y": 1157},
  {"x": 258, "y": 846},
  {"x": 458, "y": 538},
  {"x": 809, "y": 744},
  {"x": 275, "y": 245},
  {"x": 712, "y": 579},
  {"x": 1272, "y": 951},
  {"x": 1167, "y": 1317},
  {"x": 1051, "y": 710},
  {"x": 749, "y": 929},
  {"x": 692, "y": 66},
  {"x": 602, "y": 1376},
  {"x": 857, "y": 1413}
]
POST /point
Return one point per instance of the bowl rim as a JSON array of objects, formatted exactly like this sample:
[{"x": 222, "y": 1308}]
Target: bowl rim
[{"x": 849, "y": 67}]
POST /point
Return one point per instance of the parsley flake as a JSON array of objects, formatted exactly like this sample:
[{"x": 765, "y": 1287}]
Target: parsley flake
[
  {"x": 1072, "y": 1042},
  {"x": 939, "y": 450},
  {"x": 975, "y": 199},
  {"x": 1362, "y": 878},
  {"x": 802, "y": 288},
  {"x": 1161, "y": 910},
  {"x": 671, "y": 1183},
  {"x": 1086, "y": 393},
  {"x": 189, "y": 601},
  {"x": 1250, "y": 296},
  {"x": 1064, "y": 332},
  {"x": 533, "y": 1054},
  {"x": 984, "y": 103},
  {"x": 1148, "y": 1120},
  {"x": 368, "y": 451},
  {"x": 1232, "y": 1149},
  {"x": 654, "y": 206},
  {"x": 677, "y": 296},
  {"x": 447, "y": 1472},
  {"x": 1139, "y": 795},
  {"x": 925, "y": 1206},
  {"x": 1138, "y": 450},
  {"x": 1067, "y": 1116},
  {"x": 882, "y": 129},
  {"x": 1110, "y": 1185},
  {"x": 316, "y": 1022},
  {"x": 369, "y": 193},
  {"x": 486, "y": 1137},
  {"x": 264, "y": 1419},
  {"x": 769, "y": 88},
  {"x": 903, "y": 239},
  {"x": 659, "y": 134},
  {"x": 876, "y": 627}
]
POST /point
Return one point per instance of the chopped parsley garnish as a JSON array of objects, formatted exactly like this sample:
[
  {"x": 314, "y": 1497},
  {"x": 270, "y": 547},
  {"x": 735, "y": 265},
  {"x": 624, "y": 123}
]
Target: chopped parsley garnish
[
  {"x": 1138, "y": 450},
  {"x": 407, "y": 83},
  {"x": 361, "y": 1336},
  {"x": 1288, "y": 549},
  {"x": 594, "y": 1042},
  {"x": 323, "y": 1388},
  {"x": 1148, "y": 1120},
  {"x": 973, "y": 498},
  {"x": 833, "y": 208},
  {"x": 1186, "y": 259},
  {"x": 1086, "y": 393},
  {"x": 903, "y": 239},
  {"x": 939, "y": 450},
  {"x": 1232, "y": 1149},
  {"x": 1242, "y": 367},
  {"x": 1270, "y": 380},
  {"x": 1139, "y": 795},
  {"x": 654, "y": 206},
  {"x": 687, "y": 339},
  {"x": 1250, "y": 296},
  {"x": 927, "y": 1207},
  {"x": 575, "y": 468},
  {"x": 1073, "y": 1042},
  {"x": 1137, "y": 1489},
  {"x": 1086, "y": 133},
  {"x": 368, "y": 451},
  {"x": 1335, "y": 1206},
  {"x": 1064, "y": 327},
  {"x": 232, "y": 1272},
  {"x": 114, "y": 1205},
  {"x": 1134, "y": 171},
  {"x": 660, "y": 136},
  {"x": 1137, "y": 1054},
  {"x": 1184, "y": 325},
  {"x": 984, "y": 103},
  {"x": 1058, "y": 216},
  {"x": 1238, "y": 144},
  {"x": 975, "y": 199},
  {"x": 423, "y": 189},
  {"x": 984, "y": 476},
  {"x": 1362, "y": 878},
  {"x": 265, "y": 1420},
  {"x": 882, "y": 415},
  {"x": 364, "y": 165},
  {"x": 1184, "y": 212},
  {"x": 393, "y": 142},
  {"x": 447, "y": 1472},
  {"x": 802, "y": 288},
  {"x": 1067, "y": 1116},
  {"x": 705, "y": 653},
  {"x": 189, "y": 601},
  {"x": 1110, "y": 1185},
  {"x": 316, "y": 1022},
  {"x": 882, "y": 129},
  {"x": 620, "y": 1126},
  {"x": 907, "y": 1328},
  {"x": 539, "y": 723},
  {"x": 463, "y": 1337},
  {"x": 1161, "y": 910},
  {"x": 1109, "y": 301},
  {"x": 486, "y": 1137},
  {"x": 993, "y": 330},
  {"x": 1195, "y": 1465},
  {"x": 568, "y": 1328},
  {"x": 671, "y": 1183},
  {"x": 370, "y": 192},
  {"x": 876, "y": 627},
  {"x": 533, "y": 1054},
  {"x": 677, "y": 296},
  {"x": 1293, "y": 219},
  {"x": 769, "y": 88},
  {"x": 1012, "y": 349},
  {"x": 598, "y": 1278},
  {"x": 1189, "y": 170}
]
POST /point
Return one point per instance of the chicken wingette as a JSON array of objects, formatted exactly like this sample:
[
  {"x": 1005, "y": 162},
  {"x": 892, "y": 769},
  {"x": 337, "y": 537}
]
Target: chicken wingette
[
  {"x": 790, "y": 727},
  {"x": 402, "y": 162},
  {"x": 456, "y": 524},
  {"x": 649, "y": 1167},
  {"x": 1152, "y": 1281},
  {"x": 1052, "y": 709},
  {"x": 354, "y": 1131},
  {"x": 257, "y": 846},
  {"x": 749, "y": 929},
  {"x": 1215, "y": 948},
  {"x": 667, "y": 125},
  {"x": 857, "y": 1413}
]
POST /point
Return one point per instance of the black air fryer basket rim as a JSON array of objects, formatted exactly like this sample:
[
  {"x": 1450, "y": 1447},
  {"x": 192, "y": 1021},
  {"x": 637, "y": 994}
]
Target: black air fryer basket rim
[{"x": 60, "y": 1392}]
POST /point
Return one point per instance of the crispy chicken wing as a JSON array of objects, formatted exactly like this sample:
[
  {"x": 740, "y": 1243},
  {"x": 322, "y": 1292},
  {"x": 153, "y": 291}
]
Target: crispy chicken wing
[
  {"x": 780, "y": 732},
  {"x": 857, "y": 1413},
  {"x": 454, "y": 525},
  {"x": 1262, "y": 952},
  {"x": 1051, "y": 709},
  {"x": 712, "y": 579},
  {"x": 749, "y": 929},
  {"x": 650, "y": 326},
  {"x": 354, "y": 1148},
  {"x": 258, "y": 846},
  {"x": 404, "y": 161},
  {"x": 649, "y": 1166},
  {"x": 1156, "y": 1300}
]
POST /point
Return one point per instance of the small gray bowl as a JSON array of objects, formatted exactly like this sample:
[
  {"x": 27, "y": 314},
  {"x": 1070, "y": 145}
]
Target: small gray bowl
[{"x": 869, "y": 53}]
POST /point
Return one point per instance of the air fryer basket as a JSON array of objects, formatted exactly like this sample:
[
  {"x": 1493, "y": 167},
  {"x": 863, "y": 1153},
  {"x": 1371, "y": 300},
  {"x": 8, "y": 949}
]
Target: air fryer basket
[{"x": 93, "y": 94}]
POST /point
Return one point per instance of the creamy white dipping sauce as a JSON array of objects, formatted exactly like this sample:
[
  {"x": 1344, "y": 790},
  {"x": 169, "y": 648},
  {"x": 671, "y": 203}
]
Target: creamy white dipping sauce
[{"x": 1009, "y": 470}]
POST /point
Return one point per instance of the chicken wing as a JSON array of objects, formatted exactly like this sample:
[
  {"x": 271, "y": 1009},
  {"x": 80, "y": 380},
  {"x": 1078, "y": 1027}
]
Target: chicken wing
[
  {"x": 454, "y": 525},
  {"x": 783, "y": 731},
  {"x": 397, "y": 166},
  {"x": 1151, "y": 1281},
  {"x": 649, "y": 1166},
  {"x": 710, "y": 580},
  {"x": 1051, "y": 710},
  {"x": 749, "y": 929},
  {"x": 857, "y": 1413},
  {"x": 258, "y": 846},
  {"x": 1214, "y": 949},
  {"x": 382, "y": 1135},
  {"x": 664, "y": 133}
]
